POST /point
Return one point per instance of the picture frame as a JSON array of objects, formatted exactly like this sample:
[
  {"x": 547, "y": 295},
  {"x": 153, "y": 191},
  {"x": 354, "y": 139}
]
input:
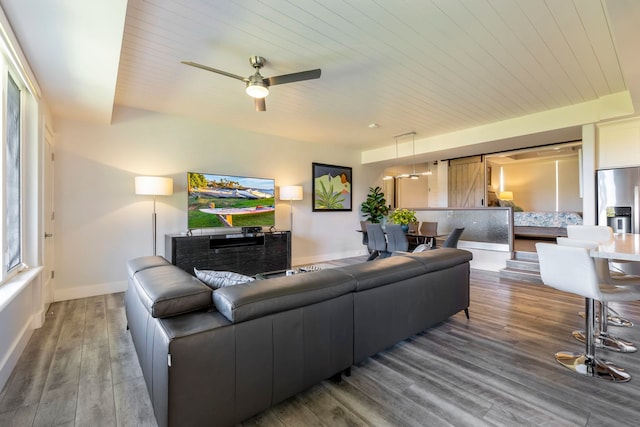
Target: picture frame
[{"x": 331, "y": 188}]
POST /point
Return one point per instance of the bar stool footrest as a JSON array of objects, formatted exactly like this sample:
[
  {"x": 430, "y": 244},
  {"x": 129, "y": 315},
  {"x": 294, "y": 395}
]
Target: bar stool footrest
[
  {"x": 597, "y": 368},
  {"x": 608, "y": 342},
  {"x": 612, "y": 320}
]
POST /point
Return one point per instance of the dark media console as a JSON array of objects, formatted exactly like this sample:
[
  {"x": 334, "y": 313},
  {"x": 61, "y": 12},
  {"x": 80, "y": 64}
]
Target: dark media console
[{"x": 245, "y": 253}]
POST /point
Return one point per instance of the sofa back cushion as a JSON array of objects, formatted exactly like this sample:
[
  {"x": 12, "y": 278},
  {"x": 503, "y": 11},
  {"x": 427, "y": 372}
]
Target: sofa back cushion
[
  {"x": 166, "y": 291},
  {"x": 256, "y": 299},
  {"x": 439, "y": 259},
  {"x": 384, "y": 271}
]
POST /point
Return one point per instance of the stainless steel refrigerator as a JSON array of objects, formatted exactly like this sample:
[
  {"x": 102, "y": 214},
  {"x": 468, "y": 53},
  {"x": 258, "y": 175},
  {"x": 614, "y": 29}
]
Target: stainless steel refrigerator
[{"x": 618, "y": 204}]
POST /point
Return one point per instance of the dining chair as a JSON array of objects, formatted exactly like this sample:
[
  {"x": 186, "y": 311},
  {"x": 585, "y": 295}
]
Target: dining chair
[
  {"x": 376, "y": 243},
  {"x": 412, "y": 233},
  {"x": 429, "y": 231},
  {"x": 363, "y": 228},
  {"x": 396, "y": 238},
  {"x": 571, "y": 269},
  {"x": 453, "y": 237}
]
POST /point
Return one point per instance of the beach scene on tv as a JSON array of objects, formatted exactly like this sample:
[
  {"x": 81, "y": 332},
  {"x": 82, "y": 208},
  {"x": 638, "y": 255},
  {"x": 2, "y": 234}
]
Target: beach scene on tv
[{"x": 230, "y": 201}]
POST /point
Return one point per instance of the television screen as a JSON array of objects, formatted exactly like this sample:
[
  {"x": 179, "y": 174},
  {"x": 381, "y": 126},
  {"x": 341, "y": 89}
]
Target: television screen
[{"x": 230, "y": 201}]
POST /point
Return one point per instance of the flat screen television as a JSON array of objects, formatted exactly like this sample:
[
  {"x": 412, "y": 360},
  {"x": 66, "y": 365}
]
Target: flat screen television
[{"x": 229, "y": 201}]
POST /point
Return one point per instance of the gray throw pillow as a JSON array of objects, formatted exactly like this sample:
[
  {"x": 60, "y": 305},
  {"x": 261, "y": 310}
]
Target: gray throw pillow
[{"x": 220, "y": 279}]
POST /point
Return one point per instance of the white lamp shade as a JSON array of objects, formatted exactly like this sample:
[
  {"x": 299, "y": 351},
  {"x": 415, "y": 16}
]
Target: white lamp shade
[
  {"x": 291, "y": 192},
  {"x": 506, "y": 195},
  {"x": 154, "y": 186}
]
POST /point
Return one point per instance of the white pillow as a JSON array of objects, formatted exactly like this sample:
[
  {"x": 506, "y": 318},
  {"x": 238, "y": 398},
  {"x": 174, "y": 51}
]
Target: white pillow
[{"x": 220, "y": 279}]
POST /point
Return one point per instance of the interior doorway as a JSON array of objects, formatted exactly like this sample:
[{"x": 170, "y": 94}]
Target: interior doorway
[{"x": 49, "y": 219}]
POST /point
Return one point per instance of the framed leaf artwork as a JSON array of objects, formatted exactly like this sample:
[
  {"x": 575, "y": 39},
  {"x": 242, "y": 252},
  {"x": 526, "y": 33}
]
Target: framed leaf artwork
[{"x": 331, "y": 191}]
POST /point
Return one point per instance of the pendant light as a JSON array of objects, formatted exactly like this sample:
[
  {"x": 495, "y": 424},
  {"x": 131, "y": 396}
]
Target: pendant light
[
  {"x": 390, "y": 177},
  {"x": 403, "y": 175},
  {"x": 414, "y": 175}
]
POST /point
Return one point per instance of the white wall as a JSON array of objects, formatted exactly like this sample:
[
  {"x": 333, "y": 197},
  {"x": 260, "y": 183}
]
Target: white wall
[
  {"x": 413, "y": 193},
  {"x": 101, "y": 223},
  {"x": 534, "y": 184}
]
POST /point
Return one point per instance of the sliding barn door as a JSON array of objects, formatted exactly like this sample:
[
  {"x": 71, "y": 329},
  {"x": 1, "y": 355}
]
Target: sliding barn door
[{"x": 466, "y": 182}]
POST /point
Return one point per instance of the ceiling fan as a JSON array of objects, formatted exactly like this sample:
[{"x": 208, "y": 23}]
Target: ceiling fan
[{"x": 258, "y": 86}]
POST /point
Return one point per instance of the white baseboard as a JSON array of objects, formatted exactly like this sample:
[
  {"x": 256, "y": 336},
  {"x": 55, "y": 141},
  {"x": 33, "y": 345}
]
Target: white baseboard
[
  {"x": 14, "y": 351},
  {"x": 89, "y": 291}
]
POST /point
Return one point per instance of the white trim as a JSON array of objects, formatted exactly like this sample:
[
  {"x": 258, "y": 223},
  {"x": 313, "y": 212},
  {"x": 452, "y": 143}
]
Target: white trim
[
  {"x": 12, "y": 287},
  {"x": 89, "y": 290},
  {"x": 15, "y": 56},
  {"x": 14, "y": 351},
  {"x": 23, "y": 314}
]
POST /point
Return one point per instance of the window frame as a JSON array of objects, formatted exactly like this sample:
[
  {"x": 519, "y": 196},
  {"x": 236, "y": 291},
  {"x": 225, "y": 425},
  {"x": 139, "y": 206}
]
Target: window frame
[{"x": 7, "y": 272}]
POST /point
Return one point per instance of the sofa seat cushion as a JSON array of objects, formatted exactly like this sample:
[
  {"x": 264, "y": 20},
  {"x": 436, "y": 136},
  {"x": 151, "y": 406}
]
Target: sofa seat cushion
[
  {"x": 168, "y": 291},
  {"x": 142, "y": 263},
  {"x": 249, "y": 301},
  {"x": 383, "y": 271}
]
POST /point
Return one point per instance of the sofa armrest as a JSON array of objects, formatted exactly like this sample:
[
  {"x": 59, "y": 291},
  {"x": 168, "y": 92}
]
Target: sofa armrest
[{"x": 142, "y": 263}]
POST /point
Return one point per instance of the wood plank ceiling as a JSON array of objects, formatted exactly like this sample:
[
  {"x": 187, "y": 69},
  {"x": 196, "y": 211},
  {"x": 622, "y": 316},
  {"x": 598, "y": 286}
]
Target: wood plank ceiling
[{"x": 432, "y": 66}]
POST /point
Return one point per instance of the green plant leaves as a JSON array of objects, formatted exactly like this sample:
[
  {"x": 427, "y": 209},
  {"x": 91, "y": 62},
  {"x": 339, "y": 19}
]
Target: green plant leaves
[
  {"x": 327, "y": 199},
  {"x": 374, "y": 208}
]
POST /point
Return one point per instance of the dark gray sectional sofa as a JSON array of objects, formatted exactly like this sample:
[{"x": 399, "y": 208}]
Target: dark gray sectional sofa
[{"x": 218, "y": 357}]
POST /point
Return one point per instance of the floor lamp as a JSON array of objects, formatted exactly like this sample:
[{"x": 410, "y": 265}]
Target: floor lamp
[
  {"x": 154, "y": 186},
  {"x": 291, "y": 193}
]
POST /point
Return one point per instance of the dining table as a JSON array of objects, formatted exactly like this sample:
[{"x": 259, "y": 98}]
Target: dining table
[{"x": 623, "y": 246}]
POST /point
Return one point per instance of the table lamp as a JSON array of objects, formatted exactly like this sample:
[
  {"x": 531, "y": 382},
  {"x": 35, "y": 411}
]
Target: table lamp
[
  {"x": 153, "y": 186},
  {"x": 506, "y": 195},
  {"x": 290, "y": 193}
]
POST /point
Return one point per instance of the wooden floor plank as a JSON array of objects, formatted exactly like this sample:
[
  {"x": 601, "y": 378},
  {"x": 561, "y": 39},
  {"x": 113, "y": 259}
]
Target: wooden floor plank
[
  {"x": 320, "y": 401},
  {"x": 96, "y": 406},
  {"x": 495, "y": 369},
  {"x": 133, "y": 406}
]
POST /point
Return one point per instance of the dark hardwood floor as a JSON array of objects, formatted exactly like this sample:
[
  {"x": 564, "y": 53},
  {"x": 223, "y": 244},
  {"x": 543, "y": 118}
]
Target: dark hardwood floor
[{"x": 496, "y": 369}]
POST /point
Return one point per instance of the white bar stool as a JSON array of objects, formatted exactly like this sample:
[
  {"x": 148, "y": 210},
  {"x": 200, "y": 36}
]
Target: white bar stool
[
  {"x": 602, "y": 337},
  {"x": 599, "y": 234},
  {"x": 571, "y": 269}
]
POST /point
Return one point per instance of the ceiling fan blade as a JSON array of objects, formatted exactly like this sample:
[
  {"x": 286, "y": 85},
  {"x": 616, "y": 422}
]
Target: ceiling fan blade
[
  {"x": 260, "y": 104},
  {"x": 214, "y": 70},
  {"x": 294, "y": 77}
]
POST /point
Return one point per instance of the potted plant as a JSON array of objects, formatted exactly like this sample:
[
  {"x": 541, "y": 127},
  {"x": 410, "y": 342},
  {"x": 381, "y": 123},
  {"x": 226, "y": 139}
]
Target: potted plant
[
  {"x": 403, "y": 217},
  {"x": 375, "y": 207}
]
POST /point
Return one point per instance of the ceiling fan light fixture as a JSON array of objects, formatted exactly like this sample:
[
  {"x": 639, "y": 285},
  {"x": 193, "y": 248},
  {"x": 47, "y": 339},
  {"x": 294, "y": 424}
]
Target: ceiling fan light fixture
[{"x": 257, "y": 89}]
